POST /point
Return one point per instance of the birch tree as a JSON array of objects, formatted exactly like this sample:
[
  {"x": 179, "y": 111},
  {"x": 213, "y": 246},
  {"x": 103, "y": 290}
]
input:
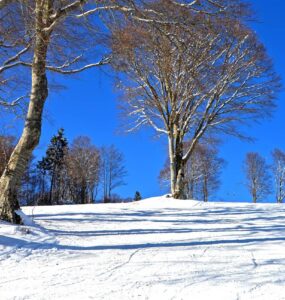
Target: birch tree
[
  {"x": 210, "y": 171},
  {"x": 209, "y": 75},
  {"x": 279, "y": 174},
  {"x": 113, "y": 171},
  {"x": 258, "y": 177}
]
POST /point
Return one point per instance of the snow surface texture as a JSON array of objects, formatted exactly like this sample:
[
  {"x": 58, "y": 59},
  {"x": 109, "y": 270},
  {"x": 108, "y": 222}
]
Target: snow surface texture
[{"x": 153, "y": 249}]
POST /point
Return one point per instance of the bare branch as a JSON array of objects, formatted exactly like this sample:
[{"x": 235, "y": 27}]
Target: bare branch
[
  {"x": 62, "y": 69},
  {"x": 11, "y": 104}
]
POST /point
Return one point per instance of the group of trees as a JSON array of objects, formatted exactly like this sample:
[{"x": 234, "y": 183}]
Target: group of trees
[
  {"x": 68, "y": 172},
  {"x": 187, "y": 68},
  {"x": 262, "y": 177}
]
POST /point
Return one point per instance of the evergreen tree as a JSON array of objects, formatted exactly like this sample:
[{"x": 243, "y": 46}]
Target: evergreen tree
[
  {"x": 53, "y": 164},
  {"x": 42, "y": 169},
  {"x": 29, "y": 192},
  {"x": 137, "y": 196}
]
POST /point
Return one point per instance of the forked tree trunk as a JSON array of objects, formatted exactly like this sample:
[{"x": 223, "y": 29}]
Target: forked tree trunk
[
  {"x": 11, "y": 178},
  {"x": 177, "y": 166}
]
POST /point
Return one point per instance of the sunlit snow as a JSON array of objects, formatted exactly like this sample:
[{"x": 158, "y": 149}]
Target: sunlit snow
[{"x": 157, "y": 248}]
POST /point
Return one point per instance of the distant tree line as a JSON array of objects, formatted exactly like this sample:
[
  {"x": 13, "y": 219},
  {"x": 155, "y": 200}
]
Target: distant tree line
[
  {"x": 69, "y": 173},
  {"x": 203, "y": 171},
  {"x": 75, "y": 173}
]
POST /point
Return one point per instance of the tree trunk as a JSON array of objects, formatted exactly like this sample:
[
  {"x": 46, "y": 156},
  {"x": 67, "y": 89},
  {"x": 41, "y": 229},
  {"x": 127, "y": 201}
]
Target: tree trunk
[
  {"x": 254, "y": 196},
  {"x": 205, "y": 189},
  {"x": 177, "y": 166},
  {"x": 191, "y": 189},
  {"x": 254, "y": 192},
  {"x": 280, "y": 192},
  {"x": 43, "y": 188},
  {"x": 179, "y": 192},
  {"x": 11, "y": 178},
  {"x": 172, "y": 164},
  {"x": 51, "y": 188},
  {"x": 83, "y": 193}
]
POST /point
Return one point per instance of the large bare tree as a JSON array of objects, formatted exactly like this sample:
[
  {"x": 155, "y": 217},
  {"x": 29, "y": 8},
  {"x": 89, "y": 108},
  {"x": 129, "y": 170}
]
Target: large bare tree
[{"x": 211, "y": 74}]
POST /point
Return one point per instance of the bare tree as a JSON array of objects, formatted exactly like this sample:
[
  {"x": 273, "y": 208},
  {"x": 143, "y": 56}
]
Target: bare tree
[
  {"x": 113, "y": 170},
  {"x": 279, "y": 174},
  {"x": 186, "y": 81},
  {"x": 7, "y": 144},
  {"x": 83, "y": 168},
  {"x": 210, "y": 166},
  {"x": 258, "y": 176}
]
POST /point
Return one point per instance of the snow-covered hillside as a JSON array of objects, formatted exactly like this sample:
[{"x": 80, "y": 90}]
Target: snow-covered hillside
[{"x": 154, "y": 249}]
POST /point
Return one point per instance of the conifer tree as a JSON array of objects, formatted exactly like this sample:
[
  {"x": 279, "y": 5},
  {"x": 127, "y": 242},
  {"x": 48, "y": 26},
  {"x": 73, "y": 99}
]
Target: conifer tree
[
  {"x": 53, "y": 164},
  {"x": 137, "y": 196}
]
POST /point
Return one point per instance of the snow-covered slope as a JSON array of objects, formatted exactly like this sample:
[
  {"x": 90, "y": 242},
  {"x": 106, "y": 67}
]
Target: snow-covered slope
[{"x": 153, "y": 249}]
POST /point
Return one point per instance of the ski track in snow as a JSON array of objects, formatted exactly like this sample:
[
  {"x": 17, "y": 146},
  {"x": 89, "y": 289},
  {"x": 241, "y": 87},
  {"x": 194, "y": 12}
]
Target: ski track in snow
[{"x": 158, "y": 248}]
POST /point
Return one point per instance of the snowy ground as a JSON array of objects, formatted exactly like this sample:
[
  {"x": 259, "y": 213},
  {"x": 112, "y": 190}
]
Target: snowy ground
[{"x": 154, "y": 249}]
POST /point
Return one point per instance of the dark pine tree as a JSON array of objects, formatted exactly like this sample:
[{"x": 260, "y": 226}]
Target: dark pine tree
[
  {"x": 42, "y": 168},
  {"x": 53, "y": 163},
  {"x": 137, "y": 196}
]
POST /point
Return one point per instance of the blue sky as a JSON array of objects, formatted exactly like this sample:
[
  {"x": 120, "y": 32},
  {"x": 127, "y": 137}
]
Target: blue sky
[
  {"x": 270, "y": 134},
  {"x": 88, "y": 106}
]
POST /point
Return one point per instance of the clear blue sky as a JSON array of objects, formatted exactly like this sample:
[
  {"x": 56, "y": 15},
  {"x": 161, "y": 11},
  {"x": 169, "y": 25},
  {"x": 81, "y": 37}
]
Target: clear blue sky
[
  {"x": 88, "y": 107},
  {"x": 270, "y": 134}
]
